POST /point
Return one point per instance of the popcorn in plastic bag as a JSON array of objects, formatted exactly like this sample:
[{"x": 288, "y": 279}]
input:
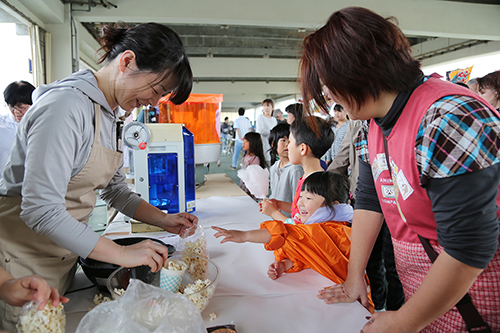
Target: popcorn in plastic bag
[
  {"x": 49, "y": 320},
  {"x": 196, "y": 244},
  {"x": 193, "y": 247}
]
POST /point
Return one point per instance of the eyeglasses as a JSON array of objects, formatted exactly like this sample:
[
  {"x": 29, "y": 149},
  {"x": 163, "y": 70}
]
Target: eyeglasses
[{"x": 20, "y": 108}]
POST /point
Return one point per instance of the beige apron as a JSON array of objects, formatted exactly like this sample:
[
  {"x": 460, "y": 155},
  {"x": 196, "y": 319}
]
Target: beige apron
[{"x": 24, "y": 252}]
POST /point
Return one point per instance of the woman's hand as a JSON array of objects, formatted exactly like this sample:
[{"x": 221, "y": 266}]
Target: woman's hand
[
  {"x": 268, "y": 207},
  {"x": 144, "y": 253},
  {"x": 350, "y": 291},
  {"x": 386, "y": 321},
  {"x": 235, "y": 236},
  {"x": 17, "y": 292},
  {"x": 183, "y": 224}
]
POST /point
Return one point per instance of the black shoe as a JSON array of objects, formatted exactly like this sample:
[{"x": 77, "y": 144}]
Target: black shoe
[{"x": 232, "y": 168}]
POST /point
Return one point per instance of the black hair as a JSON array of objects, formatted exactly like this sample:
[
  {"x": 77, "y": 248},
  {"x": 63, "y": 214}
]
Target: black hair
[
  {"x": 460, "y": 83},
  {"x": 18, "y": 92},
  {"x": 158, "y": 49},
  {"x": 255, "y": 147},
  {"x": 241, "y": 111},
  {"x": 340, "y": 108},
  {"x": 331, "y": 186},
  {"x": 297, "y": 109},
  {"x": 282, "y": 130},
  {"x": 320, "y": 142},
  {"x": 226, "y": 118}
]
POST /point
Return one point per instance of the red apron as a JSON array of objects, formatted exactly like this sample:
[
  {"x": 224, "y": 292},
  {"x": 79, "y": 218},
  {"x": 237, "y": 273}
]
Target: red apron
[{"x": 408, "y": 210}]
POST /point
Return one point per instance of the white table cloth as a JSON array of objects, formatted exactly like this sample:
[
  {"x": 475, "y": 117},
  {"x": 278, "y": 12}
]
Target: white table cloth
[{"x": 245, "y": 296}]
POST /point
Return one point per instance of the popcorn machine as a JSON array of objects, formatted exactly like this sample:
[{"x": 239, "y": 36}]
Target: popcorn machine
[{"x": 164, "y": 169}]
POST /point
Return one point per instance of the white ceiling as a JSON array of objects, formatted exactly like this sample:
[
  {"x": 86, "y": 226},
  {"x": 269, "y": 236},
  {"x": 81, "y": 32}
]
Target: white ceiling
[{"x": 254, "y": 43}]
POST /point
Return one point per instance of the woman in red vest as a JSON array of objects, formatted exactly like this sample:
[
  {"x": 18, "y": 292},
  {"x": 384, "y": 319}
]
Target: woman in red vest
[{"x": 429, "y": 165}]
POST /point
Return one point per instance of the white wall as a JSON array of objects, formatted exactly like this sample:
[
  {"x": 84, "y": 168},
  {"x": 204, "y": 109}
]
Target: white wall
[{"x": 14, "y": 58}]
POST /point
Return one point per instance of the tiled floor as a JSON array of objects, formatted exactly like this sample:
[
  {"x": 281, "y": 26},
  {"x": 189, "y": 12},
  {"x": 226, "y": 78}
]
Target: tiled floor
[{"x": 225, "y": 163}]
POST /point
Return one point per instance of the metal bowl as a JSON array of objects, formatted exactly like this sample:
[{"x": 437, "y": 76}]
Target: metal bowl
[
  {"x": 98, "y": 272},
  {"x": 120, "y": 278}
]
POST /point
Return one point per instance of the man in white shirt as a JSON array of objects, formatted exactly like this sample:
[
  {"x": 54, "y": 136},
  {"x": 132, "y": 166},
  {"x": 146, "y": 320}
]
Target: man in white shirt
[
  {"x": 17, "y": 95},
  {"x": 241, "y": 127}
]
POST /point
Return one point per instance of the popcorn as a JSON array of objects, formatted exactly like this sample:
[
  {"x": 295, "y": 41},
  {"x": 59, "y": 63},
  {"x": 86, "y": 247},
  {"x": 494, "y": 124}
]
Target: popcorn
[
  {"x": 213, "y": 315},
  {"x": 174, "y": 266},
  {"x": 200, "y": 299},
  {"x": 120, "y": 291},
  {"x": 194, "y": 249},
  {"x": 99, "y": 298},
  {"x": 197, "y": 267},
  {"x": 197, "y": 247},
  {"x": 49, "y": 320}
]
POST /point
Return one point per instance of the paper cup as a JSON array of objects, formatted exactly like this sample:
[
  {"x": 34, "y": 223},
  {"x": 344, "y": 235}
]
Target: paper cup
[{"x": 171, "y": 280}]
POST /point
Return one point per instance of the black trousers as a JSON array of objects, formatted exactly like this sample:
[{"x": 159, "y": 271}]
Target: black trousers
[{"x": 387, "y": 291}]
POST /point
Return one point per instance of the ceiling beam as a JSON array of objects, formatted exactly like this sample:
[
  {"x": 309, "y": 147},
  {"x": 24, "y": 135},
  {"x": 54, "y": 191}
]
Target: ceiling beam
[{"x": 421, "y": 18}]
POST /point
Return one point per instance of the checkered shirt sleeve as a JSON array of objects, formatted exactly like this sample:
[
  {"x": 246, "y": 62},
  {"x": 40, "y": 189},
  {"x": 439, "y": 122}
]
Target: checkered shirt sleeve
[
  {"x": 458, "y": 134},
  {"x": 362, "y": 143}
]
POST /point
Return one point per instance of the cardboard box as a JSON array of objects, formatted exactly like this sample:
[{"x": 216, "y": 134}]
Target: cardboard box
[{"x": 136, "y": 227}]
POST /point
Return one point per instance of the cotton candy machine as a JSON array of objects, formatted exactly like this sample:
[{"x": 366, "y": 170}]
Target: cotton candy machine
[{"x": 200, "y": 113}]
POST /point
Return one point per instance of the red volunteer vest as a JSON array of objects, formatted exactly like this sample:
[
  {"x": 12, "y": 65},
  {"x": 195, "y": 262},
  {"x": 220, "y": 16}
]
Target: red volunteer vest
[{"x": 406, "y": 206}]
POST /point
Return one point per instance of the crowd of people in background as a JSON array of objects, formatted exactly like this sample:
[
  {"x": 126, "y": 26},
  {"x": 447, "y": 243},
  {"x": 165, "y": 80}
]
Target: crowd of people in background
[{"x": 488, "y": 87}]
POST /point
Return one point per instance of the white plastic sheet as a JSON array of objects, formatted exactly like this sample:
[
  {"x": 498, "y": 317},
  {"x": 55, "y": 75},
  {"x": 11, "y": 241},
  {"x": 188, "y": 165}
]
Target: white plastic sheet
[{"x": 144, "y": 309}]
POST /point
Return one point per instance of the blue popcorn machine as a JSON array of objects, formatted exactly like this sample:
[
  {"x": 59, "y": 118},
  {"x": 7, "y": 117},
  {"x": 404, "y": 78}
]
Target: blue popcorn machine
[{"x": 163, "y": 164}]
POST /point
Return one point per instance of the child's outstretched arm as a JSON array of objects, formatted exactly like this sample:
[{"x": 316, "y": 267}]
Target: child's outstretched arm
[{"x": 237, "y": 236}]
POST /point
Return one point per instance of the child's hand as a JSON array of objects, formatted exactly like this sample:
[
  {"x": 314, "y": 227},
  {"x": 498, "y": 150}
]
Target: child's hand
[
  {"x": 268, "y": 207},
  {"x": 235, "y": 236},
  {"x": 277, "y": 268},
  {"x": 16, "y": 292}
]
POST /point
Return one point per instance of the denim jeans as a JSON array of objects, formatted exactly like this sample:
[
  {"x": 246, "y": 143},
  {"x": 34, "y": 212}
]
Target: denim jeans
[
  {"x": 238, "y": 145},
  {"x": 225, "y": 138}
]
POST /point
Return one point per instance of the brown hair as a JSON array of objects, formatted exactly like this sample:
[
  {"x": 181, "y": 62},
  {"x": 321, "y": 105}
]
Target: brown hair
[
  {"x": 268, "y": 101},
  {"x": 357, "y": 55},
  {"x": 490, "y": 80}
]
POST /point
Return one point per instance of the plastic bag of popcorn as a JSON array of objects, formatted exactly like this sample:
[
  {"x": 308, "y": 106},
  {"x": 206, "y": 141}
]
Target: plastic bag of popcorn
[
  {"x": 51, "y": 319},
  {"x": 192, "y": 250},
  {"x": 195, "y": 245}
]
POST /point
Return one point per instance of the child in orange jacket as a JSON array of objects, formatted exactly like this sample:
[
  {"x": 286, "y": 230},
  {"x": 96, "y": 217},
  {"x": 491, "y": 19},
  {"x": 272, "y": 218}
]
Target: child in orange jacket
[{"x": 322, "y": 242}]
